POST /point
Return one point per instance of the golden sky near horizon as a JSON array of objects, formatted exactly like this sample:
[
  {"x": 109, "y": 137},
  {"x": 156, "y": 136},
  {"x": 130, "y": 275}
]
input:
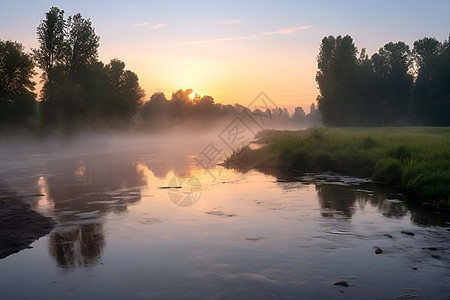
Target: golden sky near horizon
[{"x": 232, "y": 50}]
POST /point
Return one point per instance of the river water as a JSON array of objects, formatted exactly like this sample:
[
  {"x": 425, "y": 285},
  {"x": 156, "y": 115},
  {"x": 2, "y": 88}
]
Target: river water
[{"x": 142, "y": 220}]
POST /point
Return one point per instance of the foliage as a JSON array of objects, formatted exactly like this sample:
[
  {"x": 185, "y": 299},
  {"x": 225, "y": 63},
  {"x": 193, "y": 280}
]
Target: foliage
[
  {"x": 431, "y": 93},
  {"x": 160, "y": 113},
  {"x": 17, "y": 100},
  {"x": 78, "y": 90},
  {"x": 381, "y": 91}
]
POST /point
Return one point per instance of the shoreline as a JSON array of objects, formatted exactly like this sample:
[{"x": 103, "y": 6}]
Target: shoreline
[
  {"x": 416, "y": 159},
  {"x": 20, "y": 226}
]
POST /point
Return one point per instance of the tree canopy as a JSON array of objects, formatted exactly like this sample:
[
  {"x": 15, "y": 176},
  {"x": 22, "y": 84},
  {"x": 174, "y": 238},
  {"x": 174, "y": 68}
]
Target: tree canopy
[
  {"x": 396, "y": 86},
  {"x": 17, "y": 99},
  {"x": 78, "y": 89}
]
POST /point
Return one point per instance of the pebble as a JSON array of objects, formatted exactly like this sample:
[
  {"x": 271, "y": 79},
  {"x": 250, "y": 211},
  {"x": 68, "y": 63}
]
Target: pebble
[{"x": 377, "y": 250}]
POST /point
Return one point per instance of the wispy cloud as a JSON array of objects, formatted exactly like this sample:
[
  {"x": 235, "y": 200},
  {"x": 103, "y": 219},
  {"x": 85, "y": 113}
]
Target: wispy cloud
[
  {"x": 288, "y": 30},
  {"x": 158, "y": 26},
  {"x": 222, "y": 39},
  {"x": 140, "y": 24},
  {"x": 230, "y": 22},
  {"x": 233, "y": 38}
]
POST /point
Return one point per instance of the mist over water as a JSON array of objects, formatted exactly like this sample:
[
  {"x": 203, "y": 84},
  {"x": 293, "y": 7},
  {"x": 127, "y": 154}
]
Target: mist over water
[{"x": 233, "y": 235}]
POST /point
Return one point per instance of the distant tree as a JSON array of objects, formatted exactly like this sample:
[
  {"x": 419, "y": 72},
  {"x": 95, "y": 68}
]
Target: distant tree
[
  {"x": 431, "y": 95},
  {"x": 155, "y": 108},
  {"x": 299, "y": 116},
  {"x": 314, "y": 119},
  {"x": 336, "y": 78},
  {"x": 17, "y": 100},
  {"x": 182, "y": 96}
]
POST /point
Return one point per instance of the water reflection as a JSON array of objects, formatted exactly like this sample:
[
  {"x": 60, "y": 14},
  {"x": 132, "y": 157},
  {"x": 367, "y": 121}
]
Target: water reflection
[
  {"x": 81, "y": 246},
  {"x": 339, "y": 200},
  {"x": 79, "y": 192},
  {"x": 336, "y": 200}
]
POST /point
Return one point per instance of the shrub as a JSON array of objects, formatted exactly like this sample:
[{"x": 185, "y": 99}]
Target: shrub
[{"x": 388, "y": 170}]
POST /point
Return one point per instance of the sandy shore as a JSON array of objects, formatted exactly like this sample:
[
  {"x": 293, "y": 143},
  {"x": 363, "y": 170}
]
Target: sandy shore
[{"x": 19, "y": 224}]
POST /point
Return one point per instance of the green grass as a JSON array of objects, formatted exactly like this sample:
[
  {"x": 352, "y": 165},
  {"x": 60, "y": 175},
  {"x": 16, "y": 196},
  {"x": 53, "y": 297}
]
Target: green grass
[{"x": 415, "y": 158}]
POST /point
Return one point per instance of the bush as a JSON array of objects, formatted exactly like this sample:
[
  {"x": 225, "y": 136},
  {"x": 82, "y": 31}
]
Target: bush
[{"x": 388, "y": 170}]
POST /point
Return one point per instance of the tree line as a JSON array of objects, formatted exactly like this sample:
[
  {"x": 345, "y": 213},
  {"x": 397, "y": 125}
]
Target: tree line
[
  {"x": 396, "y": 86},
  {"x": 79, "y": 91},
  {"x": 160, "y": 113}
]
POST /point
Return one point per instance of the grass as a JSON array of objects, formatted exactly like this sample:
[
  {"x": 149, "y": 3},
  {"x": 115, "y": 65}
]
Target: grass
[{"x": 415, "y": 158}]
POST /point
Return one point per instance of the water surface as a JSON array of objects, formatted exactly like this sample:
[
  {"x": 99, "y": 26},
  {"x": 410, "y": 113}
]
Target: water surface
[{"x": 143, "y": 221}]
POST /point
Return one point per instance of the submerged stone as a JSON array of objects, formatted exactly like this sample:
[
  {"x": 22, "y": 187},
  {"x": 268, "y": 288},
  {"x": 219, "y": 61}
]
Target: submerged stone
[
  {"x": 377, "y": 250},
  {"x": 408, "y": 232},
  {"x": 342, "y": 283}
]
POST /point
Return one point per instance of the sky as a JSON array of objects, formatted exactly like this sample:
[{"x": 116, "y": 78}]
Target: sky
[{"x": 232, "y": 50}]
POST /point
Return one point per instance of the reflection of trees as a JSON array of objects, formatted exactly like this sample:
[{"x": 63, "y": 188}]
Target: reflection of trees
[
  {"x": 80, "y": 247},
  {"x": 172, "y": 158},
  {"x": 336, "y": 198},
  {"x": 340, "y": 198},
  {"x": 85, "y": 190}
]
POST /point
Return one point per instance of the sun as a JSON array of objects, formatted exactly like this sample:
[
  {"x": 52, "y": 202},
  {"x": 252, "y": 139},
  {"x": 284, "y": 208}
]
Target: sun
[{"x": 194, "y": 94}]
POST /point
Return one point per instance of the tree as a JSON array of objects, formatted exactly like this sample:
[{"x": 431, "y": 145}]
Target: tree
[
  {"x": 50, "y": 33},
  {"x": 336, "y": 78},
  {"x": 431, "y": 95},
  {"x": 67, "y": 54},
  {"x": 80, "y": 45},
  {"x": 391, "y": 66},
  {"x": 299, "y": 116},
  {"x": 17, "y": 100},
  {"x": 123, "y": 95}
]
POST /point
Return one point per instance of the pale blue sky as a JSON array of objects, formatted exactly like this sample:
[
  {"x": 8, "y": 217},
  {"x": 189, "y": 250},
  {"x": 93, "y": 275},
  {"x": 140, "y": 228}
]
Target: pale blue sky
[{"x": 232, "y": 49}]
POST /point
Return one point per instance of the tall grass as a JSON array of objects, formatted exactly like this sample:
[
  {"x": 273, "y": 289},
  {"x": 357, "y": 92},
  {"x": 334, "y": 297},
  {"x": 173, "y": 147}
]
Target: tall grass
[{"x": 415, "y": 158}]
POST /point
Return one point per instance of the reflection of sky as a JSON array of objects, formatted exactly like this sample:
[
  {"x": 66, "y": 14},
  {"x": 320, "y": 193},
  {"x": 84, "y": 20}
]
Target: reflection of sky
[{"x": 233, "y": 49}]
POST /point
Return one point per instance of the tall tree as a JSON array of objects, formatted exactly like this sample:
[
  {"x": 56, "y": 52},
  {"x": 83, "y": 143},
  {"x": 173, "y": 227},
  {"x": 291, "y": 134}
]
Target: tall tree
[
  {"x": 336, "y": 78},
  {"x": 431, "y": 96},
  {"x": 50, "y": 34},
  {"x": 392, "y": 66},
  {"x": 67, "y": 54},
  {"x": 80, "y": 45},
  {"x": 17, "y": 100}
]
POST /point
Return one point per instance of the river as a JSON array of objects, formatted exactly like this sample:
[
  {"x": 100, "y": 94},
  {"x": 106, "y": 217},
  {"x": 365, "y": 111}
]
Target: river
[{"x": 143, "y": 220}]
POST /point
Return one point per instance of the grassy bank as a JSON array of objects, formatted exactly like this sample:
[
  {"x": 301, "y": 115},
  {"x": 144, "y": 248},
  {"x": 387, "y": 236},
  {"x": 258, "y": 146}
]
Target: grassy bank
[{"x": 415, "y": 158}]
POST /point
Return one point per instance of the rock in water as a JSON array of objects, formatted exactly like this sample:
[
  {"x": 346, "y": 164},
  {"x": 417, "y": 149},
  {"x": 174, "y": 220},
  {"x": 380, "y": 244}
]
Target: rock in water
[
  {"x": 377, "y": 250},
  {"x": 342, "y": 283}
]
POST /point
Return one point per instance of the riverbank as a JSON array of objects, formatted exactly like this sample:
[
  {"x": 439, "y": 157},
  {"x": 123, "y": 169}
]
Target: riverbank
[
  {"x": 417, "y": 159},
  {"x": 19, "y": 224}
]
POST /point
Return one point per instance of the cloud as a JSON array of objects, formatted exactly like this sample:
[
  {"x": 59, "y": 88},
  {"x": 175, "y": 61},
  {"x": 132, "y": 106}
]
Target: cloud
[
  {"x": 140, "y": 24},
  {"x": 158, "y": 26},
  {"x": 230, "y": 22},
  {"x": 288, "y": 30},
  {"x": 281, "y": 31},
  {"x": 222, "y": 39}
]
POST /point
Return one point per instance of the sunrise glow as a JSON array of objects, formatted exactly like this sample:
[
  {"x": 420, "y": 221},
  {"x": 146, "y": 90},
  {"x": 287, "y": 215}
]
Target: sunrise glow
[{"x": 236, "y": 50}]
